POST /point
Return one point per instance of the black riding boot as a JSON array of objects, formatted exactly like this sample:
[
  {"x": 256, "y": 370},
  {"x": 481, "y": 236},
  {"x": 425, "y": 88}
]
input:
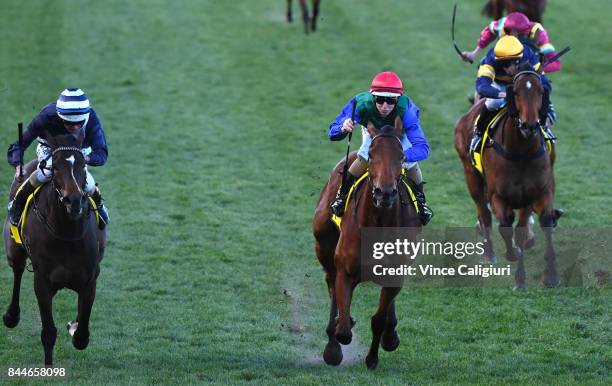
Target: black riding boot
[
  {"x": 15, "y": 207},
  {"x": 425, "y": 211},
  {"x": 97, "y": 197},
  {"x": 337, "y": 207},
  {"x": 479, "y": 128}
]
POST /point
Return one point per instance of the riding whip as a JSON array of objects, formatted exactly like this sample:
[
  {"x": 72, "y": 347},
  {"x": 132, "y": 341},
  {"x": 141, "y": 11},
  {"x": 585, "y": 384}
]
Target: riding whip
[
  {"x": 556, "y": 57},
  {"x": 20, "y": 136},
  {"x": 348, "y": 148},
  {"x": 453, "y": 33}
]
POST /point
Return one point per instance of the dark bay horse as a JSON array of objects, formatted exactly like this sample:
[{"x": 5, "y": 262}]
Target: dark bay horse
[
  {"x": 375, "y": 204},
  {"x": 533, "y": 9},
  {"x": 518, "y": 174},
  {"x": 310, "y": 20},
  {"x": 62, "y": 239}
]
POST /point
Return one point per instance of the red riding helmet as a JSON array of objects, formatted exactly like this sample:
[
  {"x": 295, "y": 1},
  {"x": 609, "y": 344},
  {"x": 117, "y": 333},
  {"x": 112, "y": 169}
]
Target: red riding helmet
[
  {"x": 387, "y": 83},
  {"x": 518, "y": 22}
]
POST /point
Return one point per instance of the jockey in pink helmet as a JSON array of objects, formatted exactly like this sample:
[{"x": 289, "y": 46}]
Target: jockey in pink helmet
[
  {"x": 517, "y": 24},
  {"x": 381, "y": 105}
]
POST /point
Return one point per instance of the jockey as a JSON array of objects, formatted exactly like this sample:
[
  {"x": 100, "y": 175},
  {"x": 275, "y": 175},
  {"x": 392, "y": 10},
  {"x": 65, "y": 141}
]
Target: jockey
[
  {"x": 529, "y": 33},
  {"x": 70, "y": 114},
  {"x": 380, "y": 106},
  {"x": 496, "y": 73}
]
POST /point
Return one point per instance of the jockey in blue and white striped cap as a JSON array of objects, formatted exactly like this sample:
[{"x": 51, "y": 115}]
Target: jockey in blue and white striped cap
[{"x": 73, "y": 105}]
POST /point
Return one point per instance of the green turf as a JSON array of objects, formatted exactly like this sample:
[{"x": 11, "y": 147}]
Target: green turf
[{"x": 216, "y": 116}]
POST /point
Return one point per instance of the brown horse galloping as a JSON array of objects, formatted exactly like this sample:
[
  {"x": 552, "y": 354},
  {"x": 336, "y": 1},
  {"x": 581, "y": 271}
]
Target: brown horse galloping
[
  {"x": 62, "y": 239},
  {"x": 375, "y": 204},
  {"x": 310, "y": 21},
  {"x": 533, "y": 9},
  {"x": 518, "y": 174}
]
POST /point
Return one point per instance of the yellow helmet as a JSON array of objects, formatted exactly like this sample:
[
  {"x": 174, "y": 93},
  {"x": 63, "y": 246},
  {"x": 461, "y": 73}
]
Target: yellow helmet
[{"x": 508, "y": 48}]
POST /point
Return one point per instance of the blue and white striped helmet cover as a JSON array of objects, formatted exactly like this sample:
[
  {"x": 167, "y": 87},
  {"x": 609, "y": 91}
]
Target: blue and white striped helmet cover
[{"x": 73, "y": 105}]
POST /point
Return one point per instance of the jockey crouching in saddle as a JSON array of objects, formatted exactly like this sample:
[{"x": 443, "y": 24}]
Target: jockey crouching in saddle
[
  {"x": 69, "y": 115},
  {"x": 381, "y": 106},
  {"x": 496, "y": 73}
]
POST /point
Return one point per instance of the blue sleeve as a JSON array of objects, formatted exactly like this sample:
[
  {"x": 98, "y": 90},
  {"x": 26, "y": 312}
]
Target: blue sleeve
[
  {"x": 96, "y": 139},
  {"x": 335, "y": 128},
  {"x": 484, "y": 87},
  {"x": 546, "y": 83},
  {"x": 412, "y": 128}
]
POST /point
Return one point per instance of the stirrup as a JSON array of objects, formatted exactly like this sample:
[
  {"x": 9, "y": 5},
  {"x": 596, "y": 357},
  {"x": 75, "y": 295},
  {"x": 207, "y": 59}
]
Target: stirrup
[
  {"x": 14, "y": 215},
  {"x": 337, "y": 207},
  {"x": 426, "y": 213},
  {"x": 476, "y": 142}
]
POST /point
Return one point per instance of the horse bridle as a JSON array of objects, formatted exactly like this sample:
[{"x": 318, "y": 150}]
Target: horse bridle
[
  {"x": 64, "y": 148},
  {"x": 519, "y": 123},
  {"x": 41, "y": 217},
  {"x": 383, "y": 135},
  {"x": 513, "y": 113}
]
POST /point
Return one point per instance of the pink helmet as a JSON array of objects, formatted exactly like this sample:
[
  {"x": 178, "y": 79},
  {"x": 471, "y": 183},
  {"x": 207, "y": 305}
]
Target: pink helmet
[
  {"x": 387, "y": 83},
  {"x": 516, "y": 21}
]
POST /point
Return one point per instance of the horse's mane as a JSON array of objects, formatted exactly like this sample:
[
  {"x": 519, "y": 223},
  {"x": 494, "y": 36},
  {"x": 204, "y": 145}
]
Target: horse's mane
[{"x": 64, "y": 140}]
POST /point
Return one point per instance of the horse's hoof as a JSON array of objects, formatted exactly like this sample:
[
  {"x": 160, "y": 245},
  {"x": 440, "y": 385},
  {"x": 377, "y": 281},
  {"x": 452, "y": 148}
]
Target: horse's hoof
[
  {"x": 80, "y": 344},
  {"x": 557, "y": 213},
  {"x": 551, "y": 282},
  {"x": 390, "y": 342},
  {"x": 372, "y": 362},
  {"x": 488, "y": 260},
  {"x": 71, "y": 327},
  {"x": 519, "y": 287},
  {"x": 332, "y": 354},
  {"x": 514, "y": 254},
  {"x": 344, "y": 338},
  {"x": 10, "y": 321},
  {"x": 530, "y": 243}
]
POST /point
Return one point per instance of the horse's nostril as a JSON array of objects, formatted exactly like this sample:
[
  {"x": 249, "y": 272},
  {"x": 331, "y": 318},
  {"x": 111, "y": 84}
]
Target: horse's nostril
[{"x": 377, "y": 191}]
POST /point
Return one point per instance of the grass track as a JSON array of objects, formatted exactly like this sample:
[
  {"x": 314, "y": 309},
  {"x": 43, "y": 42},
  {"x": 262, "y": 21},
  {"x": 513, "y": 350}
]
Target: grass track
[{"x": 216, "y": 117}]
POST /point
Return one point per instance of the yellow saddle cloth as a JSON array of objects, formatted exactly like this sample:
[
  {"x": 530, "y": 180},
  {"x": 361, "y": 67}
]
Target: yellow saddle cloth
[
  {"x": 17, "y": 230},
  {"x": 477, "y": 160},
  {"x": 338, "y": 220}
]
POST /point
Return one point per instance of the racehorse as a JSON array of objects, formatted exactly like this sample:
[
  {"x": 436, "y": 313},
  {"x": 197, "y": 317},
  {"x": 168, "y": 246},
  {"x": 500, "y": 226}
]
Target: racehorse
[
  {"x": 375, "y": 204},
  {"x": 60, "y": 235},
  {"x": 310, "y": 21},
  {"x": 518, "y": 174},
  {"x": 533, "y": 9}
]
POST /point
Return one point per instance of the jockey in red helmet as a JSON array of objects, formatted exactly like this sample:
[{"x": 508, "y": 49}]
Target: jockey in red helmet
[
  {"x": 380, "y": 106},
  {"x": 529, "y": 33}
]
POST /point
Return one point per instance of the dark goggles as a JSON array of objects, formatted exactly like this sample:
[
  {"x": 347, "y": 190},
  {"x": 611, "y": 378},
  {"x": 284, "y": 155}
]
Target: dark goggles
[{"x": 382, "y": 99}]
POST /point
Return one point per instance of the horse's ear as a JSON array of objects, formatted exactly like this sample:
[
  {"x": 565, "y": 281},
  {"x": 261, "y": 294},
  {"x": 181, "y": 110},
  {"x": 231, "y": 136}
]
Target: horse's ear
[
  {"x": 50, "y": 140},
  {"x": 512, "y": 111},
  {"x": 80, "y": 137},
  {"x": 399, "y": 126},
  {"x": 371, "y": 129}
]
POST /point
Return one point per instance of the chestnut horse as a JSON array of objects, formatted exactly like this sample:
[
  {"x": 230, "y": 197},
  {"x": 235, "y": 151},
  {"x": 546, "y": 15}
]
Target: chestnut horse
[
  {"x": 518, "y": 174},
  {"x": 61, "y": 237},
  {"x": 533, "y": 9},
  {"x": 375, "y": 204},
  {"x": 310, "y": 21}
]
